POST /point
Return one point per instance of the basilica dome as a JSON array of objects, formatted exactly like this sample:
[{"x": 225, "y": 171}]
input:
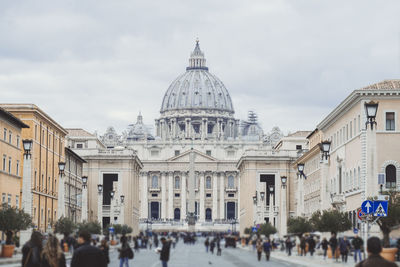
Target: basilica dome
[{"x": 197, "y": 89}]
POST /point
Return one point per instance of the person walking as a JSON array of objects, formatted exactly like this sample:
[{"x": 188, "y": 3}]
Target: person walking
[
  {"x": 105, "y": 249},
  {"x": 267, "y": 249},
  {"x": 374, "y": 247},
  {"x": 333, "y": 244},
  {"x": 289, "y": 245},
  {"x": 303, "y": 246},
  {"x": 164, "y": 254},
  {"x": 207, "y": 244},
  {"x": 136, "y": 244},
  {"x": 87, "y": 255},
  {"x": 52, "y": 255},
  {"x": 124, "y": 252},
  {"x": 212, "y": 245},
  {"x": 324, "y": 246},
  {"x": 357, "y": 243},
  {"x": 259, "y": 247},
  {"x": 311, "y": 245},
  {"x": 32, "y": 250},
  {"x": 344, "y": 247},
  {"x": 150, "y": 243}
]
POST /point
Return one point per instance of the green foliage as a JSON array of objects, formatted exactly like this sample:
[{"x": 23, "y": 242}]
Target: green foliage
[
  {"x": 247, "y": 230},
  {"x": 117, "y": 229},
  {"x": 299, "y": 226},
  {"x": 330, "y": 221},
  {"x": 122, "y": 229},
  {"x": 91, "y": 227},
  {"x": 386, "y": 224},
  {"x": 13, "y": 220},
  {"x": 266, "y": 229},
  {"x": 65, "y": 226}
]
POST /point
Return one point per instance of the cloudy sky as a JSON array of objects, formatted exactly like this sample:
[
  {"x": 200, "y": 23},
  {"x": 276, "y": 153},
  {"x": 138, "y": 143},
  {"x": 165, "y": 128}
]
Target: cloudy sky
[{"x": 97, "y": 63}]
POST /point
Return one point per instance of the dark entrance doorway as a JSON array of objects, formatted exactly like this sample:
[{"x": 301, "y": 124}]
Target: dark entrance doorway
[
  {"x": 177, "y": 214},
  {"x": 155, "y": 210},
  {"x": 108, "y": 180},
  {"x": 230, "y": 210},
  {"x": 208, "y": 214}
]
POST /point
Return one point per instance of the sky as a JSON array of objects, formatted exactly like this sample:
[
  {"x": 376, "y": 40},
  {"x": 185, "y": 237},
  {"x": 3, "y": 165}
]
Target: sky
[{"x": 95, "y": 63}]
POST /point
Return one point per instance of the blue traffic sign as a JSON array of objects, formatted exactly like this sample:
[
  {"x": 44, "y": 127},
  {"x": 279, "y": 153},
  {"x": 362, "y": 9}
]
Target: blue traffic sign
[
  {"x": 355, "y": 231},
  {"x": 254, "y": 229},
  {"x": 367, "y": 206},
  {"x": 380, "y": 208},
  {"x": 111, "y": 230}
]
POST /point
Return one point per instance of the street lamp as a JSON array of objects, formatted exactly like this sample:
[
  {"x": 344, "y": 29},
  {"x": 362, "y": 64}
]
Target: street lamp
[
  {"x": 283, "y": 181},
  {"x": 122, "y": 198},
  {"x": 61, "y": 168},
  {"x": 262, "y": 195},
  {"x": 27, "y": 143},
  {"x": 271, "y": 188},
  {"x": 100, "y": 188},
  {"x": 255, "y": 199},
  {"x": 371, "y": 109},
  {"x": 112, "y": 194},
  {"x": 84, "y": 181},
  {"x": 300, "y": 168},
  {"x": 325, "y": 146}
]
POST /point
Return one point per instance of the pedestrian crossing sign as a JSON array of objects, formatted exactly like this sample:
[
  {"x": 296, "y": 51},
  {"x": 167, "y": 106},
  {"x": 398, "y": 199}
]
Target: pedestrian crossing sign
[{"x": 380, "y": 208}]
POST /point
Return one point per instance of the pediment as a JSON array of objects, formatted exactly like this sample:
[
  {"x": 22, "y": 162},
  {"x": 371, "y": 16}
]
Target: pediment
[{"x": 185, "y": 157}]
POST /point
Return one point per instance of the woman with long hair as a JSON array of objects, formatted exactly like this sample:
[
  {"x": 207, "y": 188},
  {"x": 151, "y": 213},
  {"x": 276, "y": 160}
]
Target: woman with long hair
[
  {"x": 32, "y": 250},
  {"x": 52, "y": 255},
  {"x": 104, "y": 248}
]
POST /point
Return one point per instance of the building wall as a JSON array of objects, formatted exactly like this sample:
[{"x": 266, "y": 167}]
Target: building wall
[{"x": 73, "y": 186}]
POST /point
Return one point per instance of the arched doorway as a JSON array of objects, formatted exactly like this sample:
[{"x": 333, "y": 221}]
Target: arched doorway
[
  {"x": 208, "y": 214},
  {"x": 177, "y": 214}
]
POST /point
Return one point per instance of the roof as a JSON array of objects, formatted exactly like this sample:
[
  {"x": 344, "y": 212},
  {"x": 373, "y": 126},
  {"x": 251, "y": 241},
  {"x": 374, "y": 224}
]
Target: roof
[
  {"x": 393, "y": 84},
  {"x": 12, "y": 118},
  {"x": 78, "y": 132},
  {"x": 299, "y": 134},
  {"x": 70, "y": 151}
]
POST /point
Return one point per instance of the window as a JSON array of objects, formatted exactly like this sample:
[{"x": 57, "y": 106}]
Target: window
[
  {"x": 359, "y": 177},
  {"x": 42, "y": 136},
  {"x": 5, "y": 134},
  {"x": 299, "y": 147},
  {"x": 9, "y": 164},
  {"x": 18, "y": 141},
  {"x": 177, "y": 195},
  {"x": 208, "y": 152},
  {"x": 35, "y": 132},
  {"x": 34, "y": 181},
  {"x": 10, "y": 137},
  {"x": 177, "y": 182},
  {"x": 154, "y": 195},
  {"x": 231, "y": 153},
  {"x": 154, "y": 153},
  {"x": 347, "y": 132},
  {"x": 359, "y": 124},
  {"x": 3, "y": 198},
  {"x": 390, "y": 172},
  {"x": 177, "y": 152},
  {"x": 9, "y": 200},
  {"x": 231, "y": 195},
  {"x": 154, "y": 181},
  {"x": 17, "y": 172},
  {"x": 17, "y": 201},
  {"x": 231, "y": 181},
  {"x": 208, "y": 182},
  {"x": 208, "y": 195},
  {"x": 351, "y": 129},
  {"x": 354, "y": 124},
  {"x": 79, "y": 145},
  {"x": 4, "y": 162},
  {"x": 390, "y": 125},
  {"x": 41, "y": 216}
]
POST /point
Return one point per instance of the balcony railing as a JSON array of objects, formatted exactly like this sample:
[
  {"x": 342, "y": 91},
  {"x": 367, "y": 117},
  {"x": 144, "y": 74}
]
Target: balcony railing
[{"x": 231, "y": 189}]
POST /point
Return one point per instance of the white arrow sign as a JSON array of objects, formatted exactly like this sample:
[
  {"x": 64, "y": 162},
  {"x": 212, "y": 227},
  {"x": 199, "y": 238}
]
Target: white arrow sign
[{"x": 368, "y": 206}]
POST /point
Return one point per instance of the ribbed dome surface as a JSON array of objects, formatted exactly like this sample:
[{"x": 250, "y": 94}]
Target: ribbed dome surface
[{"x": 197, "y": 88}]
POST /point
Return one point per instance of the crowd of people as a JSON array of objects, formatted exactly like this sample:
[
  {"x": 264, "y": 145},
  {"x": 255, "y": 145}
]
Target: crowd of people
[{"x": 49, "y": 252}]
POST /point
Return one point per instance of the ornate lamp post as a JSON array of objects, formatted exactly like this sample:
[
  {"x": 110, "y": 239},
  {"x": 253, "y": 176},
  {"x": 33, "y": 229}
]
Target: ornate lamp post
[
  {"x": 112, "y": 193},
  {"x": 100, "y": 204},
  {"x": 325, "y": 147},
  {"x": 61, "y": 197},
  {"x": 27, "y": 144},
  {"x": 371, "y": 109},
  {"x": 84, "y": 215},
  {"x": 121, "y": 217},
  {"x": 27, "y": 187},
  {"x": 300, "y": 168},
  {"x": 271, "y": 204},
  {"x": 283, "y": 212}
]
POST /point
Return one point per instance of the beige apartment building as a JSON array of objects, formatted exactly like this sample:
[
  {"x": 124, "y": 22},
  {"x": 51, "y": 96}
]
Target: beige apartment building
[
  {"x": 358, "y": 154},
  {"x": 48, "y": 149},
  {"x": 10, "y": 153}
]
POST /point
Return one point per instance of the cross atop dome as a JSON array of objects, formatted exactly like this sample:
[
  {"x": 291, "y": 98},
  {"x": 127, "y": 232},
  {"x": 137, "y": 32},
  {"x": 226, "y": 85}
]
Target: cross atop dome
[{"x": 197, "y": 60}]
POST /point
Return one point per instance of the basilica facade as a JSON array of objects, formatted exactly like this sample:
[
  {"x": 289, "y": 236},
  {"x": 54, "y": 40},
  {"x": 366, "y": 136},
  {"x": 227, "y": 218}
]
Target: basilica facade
[{"x": 190, "y": 161}]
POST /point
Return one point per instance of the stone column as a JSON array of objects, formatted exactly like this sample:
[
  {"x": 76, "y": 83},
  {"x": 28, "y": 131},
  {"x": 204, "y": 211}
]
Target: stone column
[
  {"x": 283, "y": 211},
  {"x": 371, "y": 163},
  {"x": 222, "y": 196},
  {"x": 171, "y": 196},
  {"x": 61, "y": 198},
  {"x": 187, "y": 128},
  {"x": 324, "y": 180},
  {"x": 144, "y": 176},
  {"x": 100, "y": 207},
  {"x": 25, "y": 235},
  {"x": 215, "y": 196},
  {"x": 163, "y": 196},
  {"x": 271, "y": 209},
  {"x": 84, "y": 216},
  {"x": 202, "y": 210},
  {"x": 183, "y": 196}
]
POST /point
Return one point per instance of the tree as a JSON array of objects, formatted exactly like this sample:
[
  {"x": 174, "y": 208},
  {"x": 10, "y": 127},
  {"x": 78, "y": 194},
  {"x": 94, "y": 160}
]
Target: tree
[
  {"x": 13, "y": 220},
  {"x": 299, "y": 226},
  {"x": 65, "y": 226},
  {"x": 117, "y": 229},
  {"x": 126, "y": 229},
  {"x": 91, "y": 227},
  {"x": 332, "y": 221},
  {"x": 266, "y": 229},
  {"x": 386, "y": 224},
  {"x": 247, "y": 230}
]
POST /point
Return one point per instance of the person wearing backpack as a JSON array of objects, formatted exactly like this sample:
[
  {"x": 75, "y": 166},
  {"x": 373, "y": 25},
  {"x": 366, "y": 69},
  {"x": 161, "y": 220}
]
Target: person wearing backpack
[{"x": 125, "y": 252}]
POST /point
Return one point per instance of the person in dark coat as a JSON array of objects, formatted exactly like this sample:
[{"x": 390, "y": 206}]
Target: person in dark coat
[
  {"x": 52, "y": 255},
  {"x": 105, "y": 249},
  {"x": 124, "y": 252},
  {"x": 311, "y": 245},
  {"x": 374, "y": 247},
  {"x": 303, "y": 246},
  {"x": 164, "y": 254},
  {"x": 333, "y": 244},
  {"x": 87, "y": 255},
  {"x": 267, "y": 249},
  {"x": 32, "y": 250},
  {"x": 357, "y": 243},
  {"x": 344, "y": 247},
  {"x": 207, "y": 244},
  {"x": 289, "y": 245},
  {"x": 212, "y": 246},
  {"x": 324, "y": 246}
]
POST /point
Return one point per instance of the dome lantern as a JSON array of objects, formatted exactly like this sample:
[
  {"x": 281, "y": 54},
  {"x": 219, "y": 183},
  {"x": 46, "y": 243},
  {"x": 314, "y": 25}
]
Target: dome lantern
[{"x": 197, "y": 60}]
